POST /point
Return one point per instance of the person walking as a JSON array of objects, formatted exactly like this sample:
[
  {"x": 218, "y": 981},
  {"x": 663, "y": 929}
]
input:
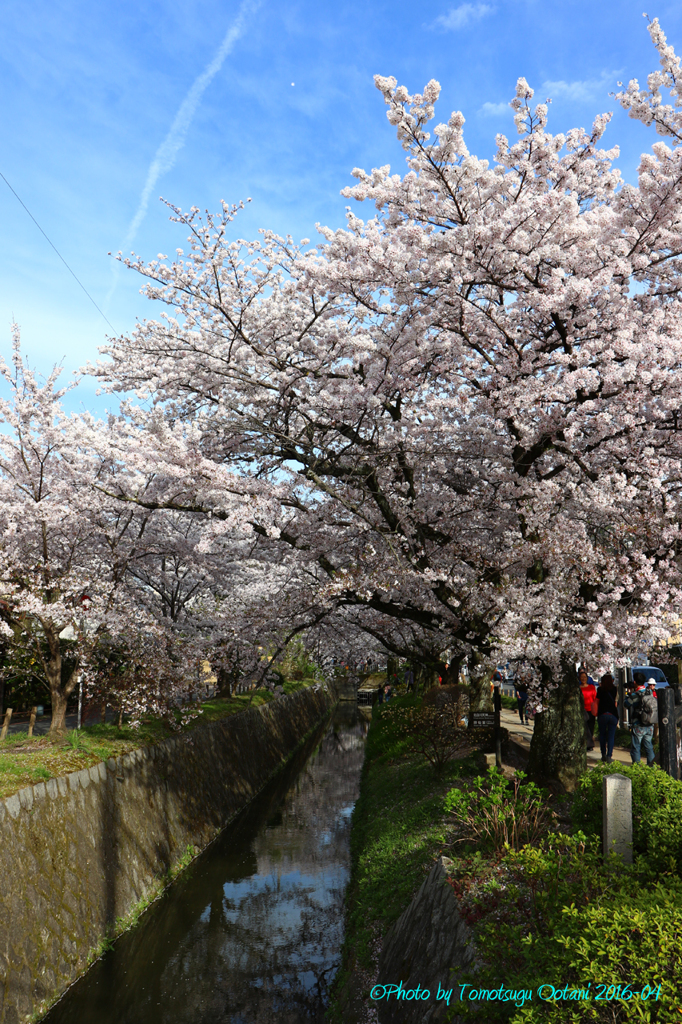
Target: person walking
[
  {"x": 589, "y": 694},
  {"x": 521, "y": 693},
  {"x": 643, "y": 714},
  {"x": 655, "y": 688},
  {"x": 607, "y": 715}
]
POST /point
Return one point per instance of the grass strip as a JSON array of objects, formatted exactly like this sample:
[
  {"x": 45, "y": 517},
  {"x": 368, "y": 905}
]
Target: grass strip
[
  {"x": 398, "y": 829},
  {"x": 26, "y": 762}
]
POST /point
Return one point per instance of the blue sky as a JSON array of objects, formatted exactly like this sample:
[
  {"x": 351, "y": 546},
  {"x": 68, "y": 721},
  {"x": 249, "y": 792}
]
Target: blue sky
[{"x": 91, "y": 90}]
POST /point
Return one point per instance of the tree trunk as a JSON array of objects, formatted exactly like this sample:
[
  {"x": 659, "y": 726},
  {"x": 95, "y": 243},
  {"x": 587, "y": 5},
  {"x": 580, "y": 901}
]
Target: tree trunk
[
  {"x": 59, "y": 701},
  {"x": 557, "y": 749},
  {"x": 424, "y": 677},
  {"x": 225, "y": 681},
  {"x": 480, "y": 698},
  {"x": 450, "y": 675},
  {"x": 59, "y": 691}
]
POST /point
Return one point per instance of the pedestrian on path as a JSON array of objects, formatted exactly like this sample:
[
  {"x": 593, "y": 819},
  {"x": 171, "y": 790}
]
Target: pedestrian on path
[
  {"x": 655, "y": 688},
  {"x": 521, "y": 692},
  {"x": 607, "y": 716},
  {"x": 589, "y": 694},
  {"x": 643, "y": 713}
]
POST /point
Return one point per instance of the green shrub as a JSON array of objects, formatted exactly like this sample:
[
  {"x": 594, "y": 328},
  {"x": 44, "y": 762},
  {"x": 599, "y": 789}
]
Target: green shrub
[
  {"x": 74, "y": 738},
  {"x": 559, "y": 916},
  {"x": 297, "y": 663},
  {"x": 656, "y": 812},
  {"x": 497, "y": 813},
  {"x": 430, "y": 729}
]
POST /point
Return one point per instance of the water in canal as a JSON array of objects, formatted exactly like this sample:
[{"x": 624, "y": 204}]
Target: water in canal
[{"x": 252, "y": 932}]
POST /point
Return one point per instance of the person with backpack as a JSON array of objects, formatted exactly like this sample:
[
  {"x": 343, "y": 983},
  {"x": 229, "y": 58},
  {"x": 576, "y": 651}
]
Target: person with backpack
[
  {"x": 607, "y": 716},
  {"x": 644, "y": 714}
]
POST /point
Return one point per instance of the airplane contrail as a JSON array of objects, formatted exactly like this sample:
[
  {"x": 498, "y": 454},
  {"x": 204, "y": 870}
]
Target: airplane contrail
[{"x": 175, "y": 139}]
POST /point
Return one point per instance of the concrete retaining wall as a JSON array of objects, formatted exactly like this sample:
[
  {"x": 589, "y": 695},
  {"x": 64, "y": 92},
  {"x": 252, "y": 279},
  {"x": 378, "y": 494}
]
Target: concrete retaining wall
[
  {"x": 79, "y": 852},
  {"x": 429, "y": 945}
]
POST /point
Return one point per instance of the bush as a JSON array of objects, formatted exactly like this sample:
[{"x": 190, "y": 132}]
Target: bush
[
  {"x": 656, "y": 812},
  {"x": 431, "y": 729},
  {"x": 558, "y": 916},
  {"x": 498, "y": 813},
  {"x": 297, "y": 664}
]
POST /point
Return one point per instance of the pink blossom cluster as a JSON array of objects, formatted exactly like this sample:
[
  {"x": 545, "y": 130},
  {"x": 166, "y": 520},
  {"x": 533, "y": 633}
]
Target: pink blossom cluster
[{"x": 454, "y": 425}]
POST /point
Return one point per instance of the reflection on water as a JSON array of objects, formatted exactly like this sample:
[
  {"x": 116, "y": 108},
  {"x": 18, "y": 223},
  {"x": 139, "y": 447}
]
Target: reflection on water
[{"x": 252, "y": 932}]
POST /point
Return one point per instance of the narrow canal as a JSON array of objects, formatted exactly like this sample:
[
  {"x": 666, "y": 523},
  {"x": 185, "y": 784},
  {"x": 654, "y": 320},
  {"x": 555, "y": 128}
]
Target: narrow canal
[{"x": 252, "y": 931}]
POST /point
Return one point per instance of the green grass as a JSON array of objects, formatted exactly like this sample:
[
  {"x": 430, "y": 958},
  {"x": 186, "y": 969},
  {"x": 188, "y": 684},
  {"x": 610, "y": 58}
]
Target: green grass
[
  {"x": 25, "y": 762},
  {"x": 398, "y": 829},
  {"x": 292, "y": 685}
]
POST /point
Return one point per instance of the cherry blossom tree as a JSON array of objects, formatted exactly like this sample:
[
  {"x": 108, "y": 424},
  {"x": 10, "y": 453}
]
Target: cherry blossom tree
[
  {"x": 460, "y": 415},
  {"x": 58, "y": 582},
  {"x": 74, "y": 602}
]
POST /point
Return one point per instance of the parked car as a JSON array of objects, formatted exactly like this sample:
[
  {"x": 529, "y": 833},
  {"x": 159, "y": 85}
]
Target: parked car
[{"x": 651, "y": 672}]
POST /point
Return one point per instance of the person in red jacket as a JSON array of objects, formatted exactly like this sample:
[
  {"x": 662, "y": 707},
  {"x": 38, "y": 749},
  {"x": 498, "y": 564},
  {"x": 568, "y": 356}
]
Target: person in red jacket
[{"x": 589, "y": 694}]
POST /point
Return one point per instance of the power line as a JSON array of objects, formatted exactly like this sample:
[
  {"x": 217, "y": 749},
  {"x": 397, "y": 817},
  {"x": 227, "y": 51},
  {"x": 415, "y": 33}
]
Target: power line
[{"x": 56, "y": 250}]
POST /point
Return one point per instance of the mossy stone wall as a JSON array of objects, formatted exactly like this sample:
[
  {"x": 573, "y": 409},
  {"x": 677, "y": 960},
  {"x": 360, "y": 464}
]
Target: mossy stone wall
[
  {"x": 79, "y": 852},
  {"x": 429, "y": 945}
]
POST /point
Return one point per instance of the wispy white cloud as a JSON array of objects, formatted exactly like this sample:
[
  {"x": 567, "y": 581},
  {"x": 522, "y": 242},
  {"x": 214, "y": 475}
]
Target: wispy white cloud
[
  {"x": 458, "y": 17},
  {"x": 167, "y": 152},
  {"x": 583, "y": 90},
  {"x": 494, "y": 109}
]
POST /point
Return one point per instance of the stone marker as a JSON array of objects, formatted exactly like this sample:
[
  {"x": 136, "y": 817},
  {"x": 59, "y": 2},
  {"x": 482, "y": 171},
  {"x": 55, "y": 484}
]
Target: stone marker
[{"x": 617, "y": 804}]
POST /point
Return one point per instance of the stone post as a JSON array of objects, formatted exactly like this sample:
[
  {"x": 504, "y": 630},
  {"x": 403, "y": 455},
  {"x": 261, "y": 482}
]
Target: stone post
[
  {"x": 667, "y": 732},
  {"x": 32, "y": 720},
  {"x": 617, "y": 809}
]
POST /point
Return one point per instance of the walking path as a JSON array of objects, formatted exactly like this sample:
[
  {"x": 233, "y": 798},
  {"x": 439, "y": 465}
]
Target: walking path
[
  {"x": 522, "y": 734},
  {"x": 42, "y": 724}
]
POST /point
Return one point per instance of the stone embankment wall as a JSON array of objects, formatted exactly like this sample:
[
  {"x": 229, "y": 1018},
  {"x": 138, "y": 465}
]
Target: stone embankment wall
[
  {"x": 79, "y": 852},
  {"x": 429, "y": 945},
  {"x": 344, "y": 685}
]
